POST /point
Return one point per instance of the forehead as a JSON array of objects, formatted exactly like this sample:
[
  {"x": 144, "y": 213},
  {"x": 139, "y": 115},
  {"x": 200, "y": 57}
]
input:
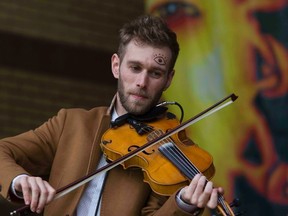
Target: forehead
[{"x": 138, "y": 51}]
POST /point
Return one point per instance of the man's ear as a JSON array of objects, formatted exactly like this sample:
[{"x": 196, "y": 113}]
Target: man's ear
[
  {"x": 169, "y": 79},
  {"x": 115, "y": 65}
]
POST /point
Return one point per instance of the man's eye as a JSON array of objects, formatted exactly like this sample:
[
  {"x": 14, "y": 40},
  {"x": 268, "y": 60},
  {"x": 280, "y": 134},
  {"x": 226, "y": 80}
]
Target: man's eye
[
  {"x": 135, "y": 68},
  {"x": 156, "y": 74}
]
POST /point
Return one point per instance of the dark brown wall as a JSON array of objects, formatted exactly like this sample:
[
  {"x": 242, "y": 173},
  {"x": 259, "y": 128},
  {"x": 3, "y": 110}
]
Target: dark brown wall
[{"x": 38, "y": 77}]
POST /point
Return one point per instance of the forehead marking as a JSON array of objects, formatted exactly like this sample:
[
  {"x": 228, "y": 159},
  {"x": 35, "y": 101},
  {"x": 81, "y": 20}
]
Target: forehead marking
[{"x": 160, "y": 58}]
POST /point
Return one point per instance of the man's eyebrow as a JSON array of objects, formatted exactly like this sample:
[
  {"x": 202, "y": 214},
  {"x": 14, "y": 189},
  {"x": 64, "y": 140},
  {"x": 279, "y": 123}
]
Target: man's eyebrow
[
  {"x": 134, "y": 62},
  {"x": 158, "y": 68}
]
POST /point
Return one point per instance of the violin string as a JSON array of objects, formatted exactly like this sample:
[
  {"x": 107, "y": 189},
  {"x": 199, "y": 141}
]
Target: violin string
[
  {"x": 180, "y": 157},
  {"x": 177, "y": 156}
]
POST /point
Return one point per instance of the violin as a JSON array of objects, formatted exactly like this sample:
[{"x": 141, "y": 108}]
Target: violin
[
  {"x": 155, "y": 153},
  {"x": 162, "y": 176}
]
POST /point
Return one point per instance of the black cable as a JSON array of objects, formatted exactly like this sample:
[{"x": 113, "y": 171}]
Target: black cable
[{"x": 165, "y": 103}]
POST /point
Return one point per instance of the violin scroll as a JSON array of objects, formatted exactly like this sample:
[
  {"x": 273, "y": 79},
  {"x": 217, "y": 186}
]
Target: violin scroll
[{"x": 228, "y": 209}]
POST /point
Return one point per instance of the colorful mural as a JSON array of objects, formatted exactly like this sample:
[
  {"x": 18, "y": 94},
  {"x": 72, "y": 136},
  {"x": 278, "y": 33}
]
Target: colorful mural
[{"x": 241, "y": 47}]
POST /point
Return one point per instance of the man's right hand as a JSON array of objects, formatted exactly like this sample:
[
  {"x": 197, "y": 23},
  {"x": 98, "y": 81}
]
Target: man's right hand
[{"x": 36, "y": 192}]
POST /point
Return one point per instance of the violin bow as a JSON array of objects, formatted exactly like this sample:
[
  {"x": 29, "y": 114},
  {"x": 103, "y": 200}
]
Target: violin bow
[{"x": 74, "y": 185}]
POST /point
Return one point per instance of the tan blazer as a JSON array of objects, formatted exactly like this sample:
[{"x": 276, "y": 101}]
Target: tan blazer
[{"x": 64, "y": 149}]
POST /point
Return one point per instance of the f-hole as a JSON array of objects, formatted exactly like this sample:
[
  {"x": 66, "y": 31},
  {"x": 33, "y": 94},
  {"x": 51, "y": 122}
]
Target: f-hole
[{"x": 133, "y": 147}]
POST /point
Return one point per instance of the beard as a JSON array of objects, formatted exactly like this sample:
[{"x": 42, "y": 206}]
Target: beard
[{"x": 137, "y": 107}]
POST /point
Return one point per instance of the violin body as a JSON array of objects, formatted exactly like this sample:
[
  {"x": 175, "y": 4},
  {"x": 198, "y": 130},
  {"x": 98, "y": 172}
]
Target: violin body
[{"x": 162, "y": 176}]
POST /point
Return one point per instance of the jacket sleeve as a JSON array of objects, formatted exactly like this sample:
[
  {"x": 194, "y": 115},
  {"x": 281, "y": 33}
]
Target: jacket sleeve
[{"x": 30, "y": 152}]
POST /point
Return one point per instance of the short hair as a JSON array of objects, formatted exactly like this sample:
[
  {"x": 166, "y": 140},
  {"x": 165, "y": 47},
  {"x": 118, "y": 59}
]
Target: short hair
[{"x": 151, "y": 30}]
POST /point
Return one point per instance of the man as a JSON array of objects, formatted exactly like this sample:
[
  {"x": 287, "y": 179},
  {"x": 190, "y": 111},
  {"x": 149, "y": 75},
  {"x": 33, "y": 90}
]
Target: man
[{"x": 65, "y": 148}]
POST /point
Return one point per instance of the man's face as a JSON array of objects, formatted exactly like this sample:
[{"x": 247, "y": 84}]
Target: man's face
[{"x": 142, "y": 77}]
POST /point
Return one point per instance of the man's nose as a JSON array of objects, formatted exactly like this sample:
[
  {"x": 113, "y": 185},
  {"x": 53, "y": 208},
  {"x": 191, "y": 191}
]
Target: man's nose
[{"x": 142, "y": 80}]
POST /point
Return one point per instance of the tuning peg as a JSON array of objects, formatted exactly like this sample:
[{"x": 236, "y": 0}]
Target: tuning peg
[{"x": 235, "y": 203}]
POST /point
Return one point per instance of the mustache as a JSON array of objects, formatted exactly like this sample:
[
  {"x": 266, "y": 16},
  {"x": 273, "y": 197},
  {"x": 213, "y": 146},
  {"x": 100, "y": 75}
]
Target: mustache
[{"x": 140, "y": 93}]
